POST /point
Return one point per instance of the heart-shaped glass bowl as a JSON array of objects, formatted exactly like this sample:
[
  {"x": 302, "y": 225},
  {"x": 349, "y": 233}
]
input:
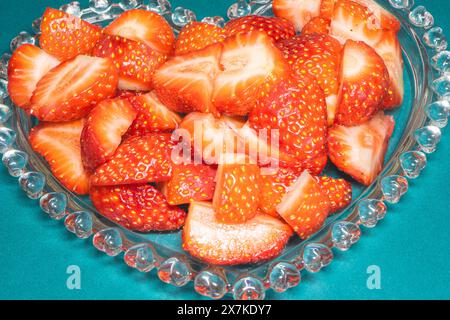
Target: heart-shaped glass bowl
[{"x": 417, "y": 132}]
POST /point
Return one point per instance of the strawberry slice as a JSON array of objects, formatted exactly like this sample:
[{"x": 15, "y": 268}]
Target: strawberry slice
[
  {"x": 190, "y": 182},
  {"x": 327, "y": 8},
  {"x": 315, "y": 165},
  {"x": 198, "y": 35},
  {"x": 338, "y": 191},
  {"x": 185, "y": 83},
  {"x": 137, "y": 207},
  {"x": 59, "y": 144},
  {"x": 137, "y": 160},
  {"x": 103, "y": 131},
  {"x": 317, "y": 55},
  {"x": 66, "y": 36},
  {"x": 251, "y": 65},
  {"x": 364, "y": 82},
  {"x": 305, "y": 206},
  {"x": 236, "y": 197},
  {"x": 260, "y": 238},
  {"x": 135, "y": 61},
  {"x": 317, "y": 25},
  {"x": 146, "y": 26},
  {"x": 73, "y": 88},
  {"x": 359, "y": 151},
  {"x": 276, "y": 28},
  {"x": 299, "y": 12},
  {"x": 27, "y": 66},
  {"x": 152, "y": 115}
]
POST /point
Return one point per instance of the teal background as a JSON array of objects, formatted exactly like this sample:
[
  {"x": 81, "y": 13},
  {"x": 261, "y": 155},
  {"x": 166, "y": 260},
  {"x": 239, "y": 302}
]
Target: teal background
[{"x": 411, "y": 246}]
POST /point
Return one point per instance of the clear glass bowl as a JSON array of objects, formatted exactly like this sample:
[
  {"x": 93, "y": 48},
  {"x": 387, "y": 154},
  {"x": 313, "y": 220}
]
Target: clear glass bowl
[{"x": 417, "y": 132}]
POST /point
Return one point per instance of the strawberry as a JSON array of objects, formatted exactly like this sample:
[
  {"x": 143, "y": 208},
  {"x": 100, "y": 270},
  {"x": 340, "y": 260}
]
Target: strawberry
[
  {"x": 299, "y": 12},
  {"x": 103, "y": 130},
  {"x": 296, "y": 108},
  {"x": 359, "y": 150},
  {"x": 152, "y": 115},
  {"x": 66, "y": 36},
  {"x": 305, "y": 206},
  {"x": 138, "y": 207},
  {"x": 185, "y": 83},
  {"x": 236, "y": 197},
  {"x": 27, "y": 66},
  {"x": 317, "y": 25},
  {"x": 275, "y": 28},
  {"x": 146, "y": 26},
  {"x": 260, "y": 238},
  {"x": 316, "y": 55},
  {"x": 137, "y": 160},
  {"x": 127, "y": 94},
  {"x": 338, "y": 191},
  {"x": 327, "y": 8},
  {"x": 364, "y": 81},
  {"x": 316, "y": 165},
  {"x": 191, "y": 182},
  {"x": 198, "y": 35},
  {"x": 135, "y": 61},
  {"x": 59, "y": 144},
  {"x": 73, "y": 88},
  {"x": 251, "y": 65}
]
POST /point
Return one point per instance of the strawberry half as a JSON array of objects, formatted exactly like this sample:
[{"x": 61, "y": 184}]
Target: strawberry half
[
  {"x": 304, "y": 207},
  {"x": 146, "y": 26},
  {"x": 327, "y": 8},
  {"x": 359, "y": 151},
  {"x": 190, "y": 182},
  {"x": 185, "y": 83},
  {"x": 251, "y": 65},
  {"x": 299, "y": 12},
  {"x": 137, "y": 160},
  {"x": 260, "y": 238},
  {"x": 198, "y": 35},
  {"x": 364, "y": 81},
  {"x": 137, "y": 207},
  {"x": 135, "y": 61},
  {"x": 317, "y": 25},
  {"x": 27, "y": 66},
  {"x": 236, "y": 197},
  {"x": 66, "y": 36},
  {"x": 276, "y": 28},
  {"x": 73, "y": 88},
  {"x": 338, "y": 191},
  {"x": 59, "y": 144},
  {"x": 103, "y": 130}
]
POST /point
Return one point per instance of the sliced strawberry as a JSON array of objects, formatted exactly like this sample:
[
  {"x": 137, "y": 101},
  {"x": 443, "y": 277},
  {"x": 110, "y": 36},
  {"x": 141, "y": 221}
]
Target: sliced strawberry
[
  {"x": 296, "y": 108},
  {"x": 185, "y": 83},
  {"x": 316, "y": 55},
  {"x": 304, "y": 207},
  {"x": 137, "y": 207},
  {"x": 364, "y": 82},
  {"x": 317, "y": 25},
  {"x": 137, "y": 160},
  {"x": 339, "y": 192},
  {"x": 103, "y": 131},
  {"x": 251, "y": 66},
  {"x": 276, "y": 28},
  {"x": 73, "y": 88},
  {"x": 383, "y": 18},
  {"x": 59, "y": 144},
  {"x": 66, "y": 36},
  {"x": 27, "y": 66},
  {"x": 146, "y": 26},
  {"x": 299, "y": 12},
  {"x": 315, "y": 165},
  {"x": 359, "y": 151},
  {"x": 327, "y": 8},
  {"x": 198, "y": 35},
  {"x": 236, "y": 197},
  {"x": 127, "y": 94},
  {"x": 260, "y": 238},
  {"x": 190, "y": 182}
]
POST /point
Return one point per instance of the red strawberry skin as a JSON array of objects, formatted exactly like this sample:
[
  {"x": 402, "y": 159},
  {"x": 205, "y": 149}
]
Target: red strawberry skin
[
  {"x": 338, "y": 191},
  {"x": 138, "y": 207},
  {"x": 299, "y": 12},
  {"x": 66, "y": 36},
  {"x": 317, "y": 25},
  {"x": 198, "y": 35},
  {"x": 137, "y": 160}
]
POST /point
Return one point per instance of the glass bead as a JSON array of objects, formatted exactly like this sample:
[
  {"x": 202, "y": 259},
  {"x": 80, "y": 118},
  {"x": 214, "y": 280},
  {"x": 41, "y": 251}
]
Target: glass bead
[
  {"x": 420, "y": 17},
  {"x": 248, "y": 288},
  {"x": 393, "y": 187},
  {"x": 438, "y": 112},
  {"x": 210, "y": 284},
  {"x": 174, "y": 271},
  {"x": 5, "y": 113},
  {"x": 159, "y": 6},
  {"x": 109, "y": 241},
  {"x": 23, "y": 38},
  {"x": 36, "y": 25},
  {"x": 140, "y": 257},
  {"x": 216, "y": 20},
  {"x": 100, "y": 6},
  {"x": 284, "y": 275},
  {"x": 412, "y": 163},
  {"x": 182, "y": 16},
  {"x": 435, "y": 39},
  {"x": 3, "y": 89},
  {"x": 72, "y": 8},
  {"x": 428, "y": 138},
  {"x": 239, "y": 9},
  {"x": 130, "y": 4},
  {"x": 371, "y": 211},
  {"x": 4, "y": 61},
  {"x": 441, "y": 62},
  {"x": 80, "y": 223},
  {"x": 442, "y": 86},
  {"x": 344, "y": 234},
  {"x": 316, "y": 256},
  {"x": 15, "y": 161},
  {"x": 402, "y": 4},
  {"x": 7, "y": 138},
  {"x": 32, "y": 183},
  {"x": 54, "y": 204}
]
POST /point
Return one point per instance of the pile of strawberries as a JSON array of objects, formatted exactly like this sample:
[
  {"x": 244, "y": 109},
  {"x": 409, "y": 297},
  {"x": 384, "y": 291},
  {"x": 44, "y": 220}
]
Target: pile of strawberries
[{"x": 110, "y": 102}]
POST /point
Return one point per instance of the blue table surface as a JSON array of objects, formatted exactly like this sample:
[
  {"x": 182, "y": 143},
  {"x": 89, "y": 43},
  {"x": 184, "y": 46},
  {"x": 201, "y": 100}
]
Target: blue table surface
[{"x": 411, "y": 246}]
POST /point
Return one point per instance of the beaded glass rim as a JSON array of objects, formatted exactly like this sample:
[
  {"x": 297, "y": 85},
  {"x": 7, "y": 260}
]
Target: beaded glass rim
[{"x": 420, "y": 137}]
